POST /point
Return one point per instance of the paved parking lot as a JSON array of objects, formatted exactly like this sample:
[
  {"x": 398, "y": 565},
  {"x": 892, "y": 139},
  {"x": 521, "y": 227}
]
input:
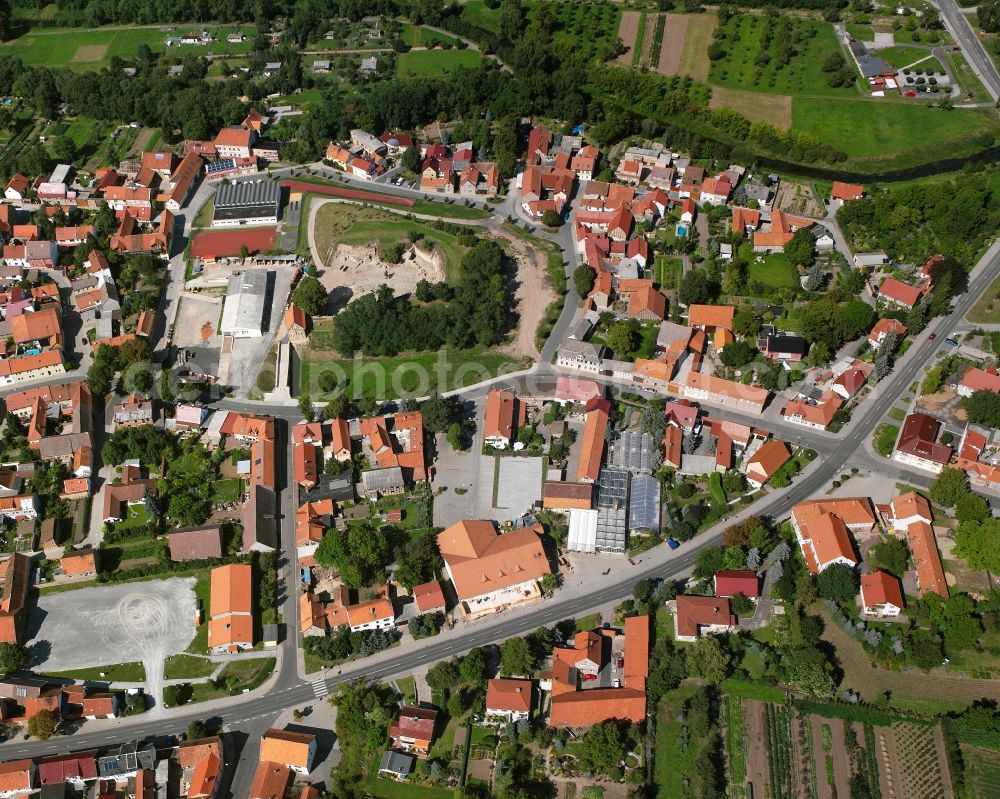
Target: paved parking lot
[
  {"x": 519, "y": 486},
  {"x": 110, "y": 624}
]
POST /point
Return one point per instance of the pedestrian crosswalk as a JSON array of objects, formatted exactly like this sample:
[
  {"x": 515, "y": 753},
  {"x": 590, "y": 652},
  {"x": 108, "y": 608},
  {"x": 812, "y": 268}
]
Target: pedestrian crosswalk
[{"x": 320, "y": 688}]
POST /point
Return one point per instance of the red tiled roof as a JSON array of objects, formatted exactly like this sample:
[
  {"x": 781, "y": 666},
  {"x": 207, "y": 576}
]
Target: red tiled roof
[
  {"x": 509, "y": 695},
  {"x": 880, "y": 587},
  {"x": 740, "y": 581},
  {"x": 693, "y": 612},
  {"x": 586, "y": 708}
]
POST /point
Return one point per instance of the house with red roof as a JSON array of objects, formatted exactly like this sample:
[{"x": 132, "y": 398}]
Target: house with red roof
[
  {"x": 901, "y": 294},
  {"x": 976, "y": 379},
  {"x": 730, "y": 582},
  {"x": 509, "y": 700},
  {"x": 881, "y": 594},
  {"x": 823, "y": 529},
  {"x": 883, "y": 327},
  {"x": 429, "y": 598},
  {"x": 695, "y": 616},
  {"x": 917, "y": 445},
  {"x": 846, "y": 192}
]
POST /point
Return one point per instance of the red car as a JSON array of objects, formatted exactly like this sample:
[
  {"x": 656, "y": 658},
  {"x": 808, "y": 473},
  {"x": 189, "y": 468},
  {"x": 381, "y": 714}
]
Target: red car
[
  {"x": 932, "y": 336},
  {"x": 589, "y": 676}
]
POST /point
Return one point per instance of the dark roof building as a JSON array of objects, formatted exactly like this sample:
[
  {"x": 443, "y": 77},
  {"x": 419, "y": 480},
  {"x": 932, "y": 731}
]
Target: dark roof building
[{"x": 245, "y": 202}]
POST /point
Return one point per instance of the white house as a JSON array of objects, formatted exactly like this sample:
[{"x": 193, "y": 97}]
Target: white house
[{"x": 509, "y": 700}]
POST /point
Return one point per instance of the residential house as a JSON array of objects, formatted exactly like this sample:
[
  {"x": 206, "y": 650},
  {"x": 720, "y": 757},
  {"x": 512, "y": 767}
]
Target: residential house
[
  {"x": 17, "y": 778},
  {"x": 785, "y": 348},
  {"x": 780, "y": 232},
  {"x": 15, "y": 584},
  {"x": 883, "y": 327},
  {"x": 501, "y": 418},
  {"x": 845, "y": 192},
  {"x": 593, "y": 440},
  {"x": 413, "y": 731},
  {"x": 881, "y": 594},
  {"x": 711, "y": 317},
  {"x": 695, "y": 616},
  {"x": 812, "y": 413},
  {"x": 195, "y": 543},
  {"x": 916, "y": 445},
  {"x": 765, "y": 462},
  {"x": 270, "y": 780},
  {"x": 823, "y": 529},
  {"x": 296, "y": 750},
  {"x": 429, "y": 598},
  {"x": 133, "y": 412},
  {"x": 726, "y": 393},
  {"x": 79, "y": 565},
  {"x": 101, "y": 706},
  {"x": 579, "y": 355},
  {"x": 900, "y": 294},
  {"x": 201, "y": 766},
  {"x": 234, "y": 142},
  {"x": 395, "y": 765},
  {"x": 17, "y": 187},
  {"x": 491, "y": 571},
  {"x": 231, "y": 620},
  {"x": 976, "y": 379},
  {"x": 509, "y": 700},
  {"x": 730, "y": 582}
]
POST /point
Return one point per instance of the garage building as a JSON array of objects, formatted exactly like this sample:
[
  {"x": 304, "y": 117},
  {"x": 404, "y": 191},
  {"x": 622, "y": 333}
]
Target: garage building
[
  {"x": 247, "y": 202},
  {"x": 246, "y": 303}
]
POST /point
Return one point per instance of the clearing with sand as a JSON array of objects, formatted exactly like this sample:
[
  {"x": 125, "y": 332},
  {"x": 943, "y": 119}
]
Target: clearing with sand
[
  {"x": 628, "y": 27},
  {"x": 773, "y": 108},
  {"x": 684, "y": 50},
  {"x": 90, "y": 53},
  {"x": 360, "y": 269}
]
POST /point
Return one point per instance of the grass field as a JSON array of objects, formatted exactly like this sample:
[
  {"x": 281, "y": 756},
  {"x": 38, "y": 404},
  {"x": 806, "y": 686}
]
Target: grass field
[
  {"x": 456, "y": 211},
  {"x": 982, "y": 772},
  {"x": 476, "y": 13},
  {"x": 674, "y": 755},
  {"x": 868, "y": 129},
  {"x": 640, "y": 34},
  {"x": 885, "y": 439},
  {"x": 121, "y": 672},
  {"x": 424, "y": 63},
  {"x": 226, "y": 490},
  {"x": 774, "y": 270},
  {"x": 774, "y": 108},
  {"x": 186, "y": 667},
  {"x": 749, "y": 64},
  {"x": 902, "y": 55},
  {"x": 863, "y": 33},
  {"x": 406, "y": 375},
  {"x": 81, "y": 48},
  {"x": 246, "y": 674},
  {"x": 987, "y": 307},
  {"x": 355, "y": 225},
  {"x": 697, "y": 37},
  {"x": 421, "y": 37}
]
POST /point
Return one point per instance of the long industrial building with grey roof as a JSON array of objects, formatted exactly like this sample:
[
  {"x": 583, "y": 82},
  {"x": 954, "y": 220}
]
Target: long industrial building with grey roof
[
  {"x": 246, "y": 305},
  {"x": 247, "y": 202}
]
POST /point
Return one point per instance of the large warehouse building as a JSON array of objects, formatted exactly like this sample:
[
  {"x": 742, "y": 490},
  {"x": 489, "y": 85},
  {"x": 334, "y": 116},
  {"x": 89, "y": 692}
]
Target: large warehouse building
[
  {"x": 246, "y": 304},
  {"x": 247, "y": 202}
]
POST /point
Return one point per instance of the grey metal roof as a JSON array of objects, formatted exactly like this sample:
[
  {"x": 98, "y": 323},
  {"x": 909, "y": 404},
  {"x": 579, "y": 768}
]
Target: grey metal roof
[
  {"x": 249, "y": 199},
  {"x": 382, "y": 479},
  {"x": 246, "y": 300},
  {"x": 396, "y": 762},
  {"x": 644, "y": 503},
  {"x": 128, "y": 758}
]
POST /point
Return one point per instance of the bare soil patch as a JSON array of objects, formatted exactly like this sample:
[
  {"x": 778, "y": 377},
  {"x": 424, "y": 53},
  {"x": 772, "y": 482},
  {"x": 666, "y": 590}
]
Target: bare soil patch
[
  {"x": 755, "y": 740},
  {"x": 628, "y": 27},
  {"x": 197, "y": 320},
  {"x": 934, "y": 402},
  {"x": 87, "y": 53},
  {"x": 799, "y": 199},
  {"x": 533, "y": 294},
  {"x": 672, "y": 47},
  {"x": 773, "y": 108}
]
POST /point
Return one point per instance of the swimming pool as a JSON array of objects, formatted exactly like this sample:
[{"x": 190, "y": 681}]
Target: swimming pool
[{"x": 682, "y": 231}]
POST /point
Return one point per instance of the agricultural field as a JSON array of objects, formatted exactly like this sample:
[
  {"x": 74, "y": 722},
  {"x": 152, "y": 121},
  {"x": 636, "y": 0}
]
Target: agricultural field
[
  {"x": 782, "y": 55},
  {"x": 81, "y": 48},
  {"x": 982, "y": 772},
  {"x": 776, "y": 109},
  {"x": 426, "y": 63},
  {"x": 864, "y": 129},
  {"x": 684, "y": 45},
  {"x": 920, "y": 766}
]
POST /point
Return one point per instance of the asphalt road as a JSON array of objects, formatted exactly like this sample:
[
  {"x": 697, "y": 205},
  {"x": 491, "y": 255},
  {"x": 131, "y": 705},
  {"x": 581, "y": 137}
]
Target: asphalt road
[{"x": 959, "y": 27}]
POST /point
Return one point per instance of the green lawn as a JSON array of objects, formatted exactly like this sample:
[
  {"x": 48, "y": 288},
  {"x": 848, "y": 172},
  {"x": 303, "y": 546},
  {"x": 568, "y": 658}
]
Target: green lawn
[
  {"x": 897, "y": 414},
  {"x": 885, "y": 439},
  {"x": 774, "y": 270},
  {"x": 421, "y": 37},
  {"x": 987, "y": 307},
  {"x": 669, "y": 272},
  {"x": 227, "y": 490},
  {"x": 901, "y": 55},
  {"x": 136, "y": 517},
  {"x": 585, "y": 623},
  {"x": 874, "y": 130},
  {"x": 390, "y": 789},
  {"x": 186, "y": 667},
  {"x": 476, "y": 13},
  {"x": 802, "y": 73},
  {"x": 455, "y": 211},
  {"x": 83, "y": 48},
  {"x": 247, "y": 674},
  {"x": 202, "y": 590},
  {"x": 414, "y": 375},
  {"x": 426, "y": 63},
  {"x": 863, "y": 33},
  {"x": 407, "y": 687},
  {"x": 121, "y": 672}
]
